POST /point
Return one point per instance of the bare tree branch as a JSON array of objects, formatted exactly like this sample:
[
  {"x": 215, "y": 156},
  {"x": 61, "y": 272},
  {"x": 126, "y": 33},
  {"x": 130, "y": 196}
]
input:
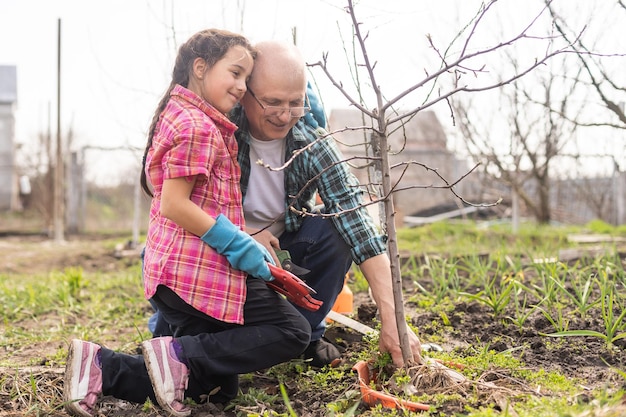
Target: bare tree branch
[{"x": 585, "y": 57}]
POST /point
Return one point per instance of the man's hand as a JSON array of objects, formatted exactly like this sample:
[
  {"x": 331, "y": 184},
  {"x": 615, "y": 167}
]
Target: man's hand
[
  {"x": 377, "y": 271},
  {"x": 390, "y": 342},
  {"x": 268, "y": 240}
]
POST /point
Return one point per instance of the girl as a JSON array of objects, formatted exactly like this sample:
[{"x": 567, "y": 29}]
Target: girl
[{"x": 200, "y": 269}]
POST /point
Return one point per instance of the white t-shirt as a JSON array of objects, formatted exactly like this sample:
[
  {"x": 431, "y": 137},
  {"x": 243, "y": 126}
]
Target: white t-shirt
[{"x": 265, "y": 197}]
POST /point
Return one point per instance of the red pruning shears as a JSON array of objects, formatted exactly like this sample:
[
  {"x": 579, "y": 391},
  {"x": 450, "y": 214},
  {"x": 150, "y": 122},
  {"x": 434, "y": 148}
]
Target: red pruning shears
[{"x": 293, "y": 288}]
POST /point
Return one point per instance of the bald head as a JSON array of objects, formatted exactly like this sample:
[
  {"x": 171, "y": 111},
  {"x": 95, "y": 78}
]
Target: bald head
[
  {"x": 278, "y": 80},
  {"x": 278, "y": 60}
]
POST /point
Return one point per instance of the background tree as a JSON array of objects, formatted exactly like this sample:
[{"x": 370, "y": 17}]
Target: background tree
[
  {"x": 606, "y": 81},
  {"x": 521, "y": 144},
  {"x": 553, "y": 118}
]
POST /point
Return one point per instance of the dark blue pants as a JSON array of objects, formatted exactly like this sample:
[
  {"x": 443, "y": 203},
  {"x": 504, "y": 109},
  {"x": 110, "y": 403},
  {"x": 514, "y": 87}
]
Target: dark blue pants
[
  {"x": 318, "y": 247},
  {"x": 217, "y": 352}
]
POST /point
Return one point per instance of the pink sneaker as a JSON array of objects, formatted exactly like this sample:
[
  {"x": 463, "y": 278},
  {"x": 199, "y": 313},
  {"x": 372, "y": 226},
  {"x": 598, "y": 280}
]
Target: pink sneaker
[
  {"x": 83, "y": 378},
  {"x": 169, "y": 376}
]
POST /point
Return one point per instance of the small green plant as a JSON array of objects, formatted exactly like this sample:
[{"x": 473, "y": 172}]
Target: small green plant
[
  {"x": 599, "y": 226},
  {"x": 345, "y": 406},
  {"x": 443, "y": 274},
  {"x": 74, "y": 279},
  {"x": 523, "y": 307},
  {"x": 381, "y": 360},
  {"x": 328, "y": 377},
  {"x": 614, "y": 325},
  {"x": 556, "y": 316},
  {"x": 496, "y": 293},
  {"x": 549, "y": 274},
  {"x": 148, "y": 406},
  {"x": 283, "y": 392},
  {"x": 252, "y": 397},
  {"x": 581, "y": 292}
]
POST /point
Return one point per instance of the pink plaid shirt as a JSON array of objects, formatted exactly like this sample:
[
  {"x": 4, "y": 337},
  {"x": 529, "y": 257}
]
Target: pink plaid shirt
[{"x": 193, "y": 139}]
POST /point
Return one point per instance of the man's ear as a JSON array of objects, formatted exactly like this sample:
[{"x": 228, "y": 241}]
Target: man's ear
[{"x": 199, "y": 67}]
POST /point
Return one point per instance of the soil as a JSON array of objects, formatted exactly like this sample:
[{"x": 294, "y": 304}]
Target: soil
[{"x": 471, "y": 327}]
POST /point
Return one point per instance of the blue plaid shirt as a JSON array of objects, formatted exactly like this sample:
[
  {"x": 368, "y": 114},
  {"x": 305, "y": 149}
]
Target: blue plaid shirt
[{"x": 317, "y": 170}]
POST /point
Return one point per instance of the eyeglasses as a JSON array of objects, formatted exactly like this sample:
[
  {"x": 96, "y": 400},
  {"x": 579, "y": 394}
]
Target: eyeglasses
[{"x": 294, "y": 112}]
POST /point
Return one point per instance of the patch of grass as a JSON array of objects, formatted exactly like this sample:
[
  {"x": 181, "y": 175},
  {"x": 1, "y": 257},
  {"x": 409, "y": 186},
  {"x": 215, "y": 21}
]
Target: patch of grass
[
  {"x": 461, "y": 238},
  {"x": 109, "y": 308},
  {"x": 599, "y": 226},
  {"x": 328, "y": 378},
  {"x": 54, "y": 308},
  {"x": 524, "y": 390},
  {"x": 252, "y": 398},
  {"x": 565, "y": 406}
]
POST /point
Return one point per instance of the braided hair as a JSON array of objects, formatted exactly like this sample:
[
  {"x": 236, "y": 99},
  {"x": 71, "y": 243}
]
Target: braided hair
[{"x": 210, "y": 45}]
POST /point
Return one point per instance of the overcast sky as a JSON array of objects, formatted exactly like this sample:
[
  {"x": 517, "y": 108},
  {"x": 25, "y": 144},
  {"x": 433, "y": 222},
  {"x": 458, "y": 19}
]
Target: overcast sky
[{"x": 117, "y": 55}]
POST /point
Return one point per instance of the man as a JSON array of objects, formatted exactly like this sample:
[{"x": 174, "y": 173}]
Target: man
[{"x": 271, "y": 129}]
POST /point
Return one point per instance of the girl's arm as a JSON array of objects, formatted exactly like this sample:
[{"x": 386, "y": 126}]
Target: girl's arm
[
  {"x": 178, "y": 207},
  {"x": 241, "y": 250}
]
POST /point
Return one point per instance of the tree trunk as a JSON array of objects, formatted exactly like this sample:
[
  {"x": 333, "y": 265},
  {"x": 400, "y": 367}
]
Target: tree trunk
[
  {"x": 379, "y": 146},
  {"x": 543, "y": 211}
]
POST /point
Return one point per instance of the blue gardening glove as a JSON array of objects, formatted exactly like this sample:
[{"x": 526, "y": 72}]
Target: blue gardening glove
[
  {"x": 316, "y": 117},
  {"x": 241, "y": 250}
]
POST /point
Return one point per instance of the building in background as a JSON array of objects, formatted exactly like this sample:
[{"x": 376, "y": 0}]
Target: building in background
[
  {"x": 9, "y": 186},
  {"x": 423, "y": 166},
  {"x": 418, "y": 147}
]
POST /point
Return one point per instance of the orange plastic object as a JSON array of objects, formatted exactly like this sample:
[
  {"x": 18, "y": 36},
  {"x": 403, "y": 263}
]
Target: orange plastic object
[
  {"x": 345, "y": 300},
  {"x": 371, "y": 397}
]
